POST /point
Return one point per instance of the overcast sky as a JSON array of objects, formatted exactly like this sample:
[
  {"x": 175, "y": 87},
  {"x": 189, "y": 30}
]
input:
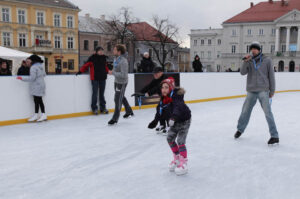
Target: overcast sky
[{"x": 186, "y": 14}]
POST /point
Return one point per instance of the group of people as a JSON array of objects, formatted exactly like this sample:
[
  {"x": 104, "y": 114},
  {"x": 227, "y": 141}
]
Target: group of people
[{"x": 172, "y": 114}]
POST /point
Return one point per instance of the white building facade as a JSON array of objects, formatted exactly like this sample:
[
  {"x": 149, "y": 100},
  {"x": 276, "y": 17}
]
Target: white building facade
[{"x": 221, "y": 49}]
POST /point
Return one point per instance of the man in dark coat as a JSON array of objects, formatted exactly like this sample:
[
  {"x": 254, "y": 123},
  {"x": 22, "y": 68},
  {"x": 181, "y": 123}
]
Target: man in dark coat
[
  {"x": 97, "y": 63},
  {"x": 197, "y": 65},
  {"x": 147, "y": 64},
  {"x": 24, "y": 70}
]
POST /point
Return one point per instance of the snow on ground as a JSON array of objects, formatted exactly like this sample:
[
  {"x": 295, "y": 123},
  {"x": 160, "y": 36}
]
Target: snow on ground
[{"x": 83, "y": 158}]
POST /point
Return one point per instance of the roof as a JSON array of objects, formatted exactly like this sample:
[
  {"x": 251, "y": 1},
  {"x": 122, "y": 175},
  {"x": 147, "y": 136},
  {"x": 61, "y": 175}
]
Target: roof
[
  {"x": 265, "y": 11},
  {"x": 56, "y": 3},
  {"x": 145, "y": 32}
]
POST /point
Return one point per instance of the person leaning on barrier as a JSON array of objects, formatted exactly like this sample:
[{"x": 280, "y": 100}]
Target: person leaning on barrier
[
  {"x": 4, "y": 69},
  {"x": 24, "y": 69}
]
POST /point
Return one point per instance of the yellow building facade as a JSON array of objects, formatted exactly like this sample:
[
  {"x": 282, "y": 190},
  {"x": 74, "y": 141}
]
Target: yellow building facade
[{"x": 49, "y": 29}]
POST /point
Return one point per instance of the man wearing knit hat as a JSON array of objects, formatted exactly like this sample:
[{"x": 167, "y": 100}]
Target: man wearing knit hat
[{"x": 260, "y": 86}]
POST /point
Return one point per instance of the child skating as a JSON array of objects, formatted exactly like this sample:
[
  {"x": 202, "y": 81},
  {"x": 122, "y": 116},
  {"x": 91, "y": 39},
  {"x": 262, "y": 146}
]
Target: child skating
[{"x": 179, "y": 123}]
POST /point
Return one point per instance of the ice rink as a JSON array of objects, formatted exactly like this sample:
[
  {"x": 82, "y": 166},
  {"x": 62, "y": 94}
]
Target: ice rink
[{"x": 83, "y": 158}]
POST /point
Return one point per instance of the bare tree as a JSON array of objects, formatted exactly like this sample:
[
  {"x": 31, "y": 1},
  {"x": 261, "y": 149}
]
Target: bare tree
[
  {"x": 165, "y": 39},
  {"x": 118, "y": 25}
]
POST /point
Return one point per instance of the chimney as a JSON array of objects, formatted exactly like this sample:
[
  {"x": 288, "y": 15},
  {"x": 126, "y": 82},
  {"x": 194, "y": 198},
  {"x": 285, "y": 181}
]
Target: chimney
[
  {"x": 282, "y": 2},
  {"x": 271, "y": 1},
  {"x": 251, "y": 4},
  {"x": 102, "y": 17},
  {"x": 87, "y": 15}
]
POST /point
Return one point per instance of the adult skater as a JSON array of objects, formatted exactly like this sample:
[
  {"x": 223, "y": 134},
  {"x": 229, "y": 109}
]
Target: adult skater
[
  {"x": 180, "y": 123},
  {"x": 37, "y": 86},
  {"x": 120, "y": 72},
  {"x": 260, "y": 85},
  {"x": 98, "y": 74}
]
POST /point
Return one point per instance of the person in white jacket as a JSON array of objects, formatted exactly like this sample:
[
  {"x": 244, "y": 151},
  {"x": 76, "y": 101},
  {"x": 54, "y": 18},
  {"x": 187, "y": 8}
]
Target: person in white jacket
[{"x": 37, "y": 86}]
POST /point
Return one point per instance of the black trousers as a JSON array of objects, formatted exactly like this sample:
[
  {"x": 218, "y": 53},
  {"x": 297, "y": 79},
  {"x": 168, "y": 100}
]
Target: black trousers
[
  {"x": 98, "y": 87},
  {"x": 120, "y": 100},
  {"x": 38, "y": 102}
]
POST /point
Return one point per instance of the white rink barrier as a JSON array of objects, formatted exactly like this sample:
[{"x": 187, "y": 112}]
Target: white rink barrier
[{"x": 70, "y": 95}]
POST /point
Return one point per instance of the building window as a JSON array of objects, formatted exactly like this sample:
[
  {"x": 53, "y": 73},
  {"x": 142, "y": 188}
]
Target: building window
[
  {"x": 261, "y": 31},
  {"x": 249, "y": 32},
  {"x": 40, "y": 18},
  {"x": 86, "y": 44},
  {"x": 273, "y": 32},
  {"x": 70, "y": 21},
  {"x": 57, "y": 20},
  {"x": 219, "y": 41},
  {"x": 71, "y": 64},
  {"x": 70, "y": 43},
  {"x": 202, "y": 42},
  {"x": 209, "y": 42},
  {"x": 283, "y": 48},
  {"x": 233, "y": 49},
  {"x": 219, "y": 54},
  {"x": 195, "y": 42},
  {"x": 6, "y": 39},
  {"x": 109, "y": 47},
  {"x": 233, "y": 32},
  {"x": 261, "y": 48},
  {"x": 272, "y": 49},
  {"x": 22, "y": 40},
  {"x": 248, "y": 49},
  {"x": 57, "y": 42},
  {"x": 209, "y": 54},
  {"x": 21, "y": 16},
  {"x": 96, "y": 43},
  {"x": 202, "y": 54},
  {"x": 5, "y": 14},
  {"x": 39, "y": 37},
  {"x": 150, "y": 52}
]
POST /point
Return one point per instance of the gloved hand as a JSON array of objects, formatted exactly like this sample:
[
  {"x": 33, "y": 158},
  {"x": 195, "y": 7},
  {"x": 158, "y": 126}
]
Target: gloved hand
[
  {"x": 171, "y": 122},
  {"x": 19, "y": 78},
  {"x": 78, "y": 73}
]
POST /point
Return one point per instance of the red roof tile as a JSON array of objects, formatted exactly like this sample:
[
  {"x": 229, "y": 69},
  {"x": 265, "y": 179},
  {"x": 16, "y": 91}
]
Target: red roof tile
[
  {"x": 145, "y": 32},
  {"x": 265, "y": 11}
]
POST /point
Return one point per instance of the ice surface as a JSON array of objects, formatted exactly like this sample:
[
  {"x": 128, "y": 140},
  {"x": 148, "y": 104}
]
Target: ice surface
[{"x": 83, "y": 158}]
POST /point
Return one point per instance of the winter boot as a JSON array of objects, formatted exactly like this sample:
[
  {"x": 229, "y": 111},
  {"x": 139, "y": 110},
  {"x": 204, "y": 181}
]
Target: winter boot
[
  {"x": 161, "y": 129},
  {"x": 105, "y": 111},
  {"x": 112, "y": 122},
  {"x": 237, "y": 134},
  {"x": 174, "y": 163},
  {"x": 153, "y": 124},
  {"x": 128, "y": 115},
  {"x": 42, "y": 118},
  {"x": 273, "y": 141},
  {"x": 181, "y": 169},
  {"x": 34, "y": 118}
]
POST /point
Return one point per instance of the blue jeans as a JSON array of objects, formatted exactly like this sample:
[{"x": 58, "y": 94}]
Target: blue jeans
[
  {"x": 250, "y": 102},
  {"x": 98, "y": 87}
]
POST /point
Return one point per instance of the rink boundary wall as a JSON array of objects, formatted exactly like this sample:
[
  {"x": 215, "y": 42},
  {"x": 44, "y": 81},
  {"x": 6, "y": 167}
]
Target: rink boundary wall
[
  {"x": 210, "y": 87},
  {"x": 73, "y": 115}
]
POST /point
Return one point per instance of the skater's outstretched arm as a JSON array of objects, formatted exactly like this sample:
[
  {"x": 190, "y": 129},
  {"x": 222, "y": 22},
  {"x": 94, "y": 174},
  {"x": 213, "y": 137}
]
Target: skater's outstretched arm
[{"x": 33, "y": 75}]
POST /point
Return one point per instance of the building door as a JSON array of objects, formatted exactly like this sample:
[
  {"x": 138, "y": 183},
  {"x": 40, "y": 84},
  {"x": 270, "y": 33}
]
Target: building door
[
  {"x": 281, "y": 66},
  {"x": 58, "y": 66},
  {"x": 292, "y": 66}
]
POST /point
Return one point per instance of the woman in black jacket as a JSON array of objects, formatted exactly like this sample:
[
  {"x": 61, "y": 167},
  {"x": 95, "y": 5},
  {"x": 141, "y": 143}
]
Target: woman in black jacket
[
  {"x": 24, "y": 69},
  {"x": 197, "y": 65}
]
